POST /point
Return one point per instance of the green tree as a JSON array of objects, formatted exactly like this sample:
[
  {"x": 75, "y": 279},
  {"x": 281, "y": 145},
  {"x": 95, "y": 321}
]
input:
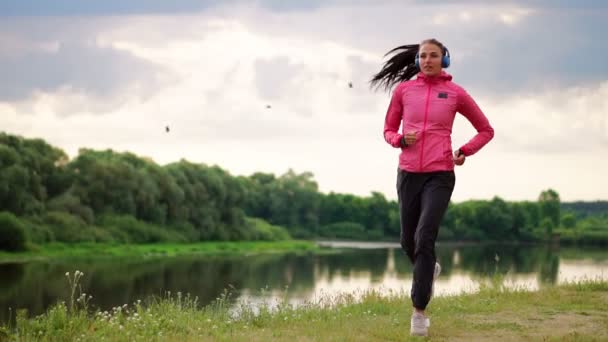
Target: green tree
[
  {"x": 377, "y": 210},
  {"x": 549, "y": 203},
  {"x": 30, "y": 172},
  {"x": 12, "y": 233}
]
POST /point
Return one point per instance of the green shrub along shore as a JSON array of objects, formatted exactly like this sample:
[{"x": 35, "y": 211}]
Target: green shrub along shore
[
  {"x": 57, "y": 251},
  {"x": 571, "y": 312}
]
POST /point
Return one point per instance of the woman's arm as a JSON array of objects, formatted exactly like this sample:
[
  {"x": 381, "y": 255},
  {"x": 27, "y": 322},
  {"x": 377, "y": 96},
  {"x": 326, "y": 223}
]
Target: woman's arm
[
  {"x": 471, "y": 111},
  {"x": 392, "y": 121}
]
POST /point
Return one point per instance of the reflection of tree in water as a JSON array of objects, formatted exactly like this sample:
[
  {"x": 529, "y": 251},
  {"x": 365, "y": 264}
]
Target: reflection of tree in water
[
  {"x": 403, "y": 266},
  {"x": 30, "y": 289},
  {"x": 11, "y": 275},
  {"x": 114, "y": 283},
  {"x": 488, "y": 259},
  {"x": 445, "y": 256},
  {"x": 549, "y": 268},
  {"x": 206, "y": 278},
  {"x": 484, "y": 260},
  {"x": 371, "y": 261}
]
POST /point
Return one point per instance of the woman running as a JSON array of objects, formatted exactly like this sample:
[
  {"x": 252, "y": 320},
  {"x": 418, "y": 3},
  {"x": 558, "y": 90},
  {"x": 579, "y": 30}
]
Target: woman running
[{"x": 427, "y": 107}]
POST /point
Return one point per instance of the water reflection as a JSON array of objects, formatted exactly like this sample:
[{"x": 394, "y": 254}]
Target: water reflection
[{"x": 37, "y": 285}]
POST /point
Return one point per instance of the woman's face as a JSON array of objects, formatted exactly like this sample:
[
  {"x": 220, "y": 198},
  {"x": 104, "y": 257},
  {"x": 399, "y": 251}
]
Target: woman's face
[{"x": 430, "y": 56}]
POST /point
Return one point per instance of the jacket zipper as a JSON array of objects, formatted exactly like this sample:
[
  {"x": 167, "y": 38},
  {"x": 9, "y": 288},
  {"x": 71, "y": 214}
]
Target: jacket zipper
[{"x": 426, "y": 113}]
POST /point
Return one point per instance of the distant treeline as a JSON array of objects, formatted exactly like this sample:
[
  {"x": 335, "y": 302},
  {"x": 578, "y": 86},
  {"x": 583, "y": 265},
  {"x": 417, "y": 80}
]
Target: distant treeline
[
  {"x": 106, "y": 196},
  {"x": 584, "y": 209}
]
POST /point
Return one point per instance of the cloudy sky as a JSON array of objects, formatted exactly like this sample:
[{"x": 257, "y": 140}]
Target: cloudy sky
[{"x": 114, "y": 73}]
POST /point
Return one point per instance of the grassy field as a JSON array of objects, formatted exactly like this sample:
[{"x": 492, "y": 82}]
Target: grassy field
[
  {"x": 97, "y": 250},
  {"x": 572, "y": 312}
]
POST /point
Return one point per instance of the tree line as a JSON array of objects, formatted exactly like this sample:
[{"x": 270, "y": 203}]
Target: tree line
[{"x": 109, "y": 196}]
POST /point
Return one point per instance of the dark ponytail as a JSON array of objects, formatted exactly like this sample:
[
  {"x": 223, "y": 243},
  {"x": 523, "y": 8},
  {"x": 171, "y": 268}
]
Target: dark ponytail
[{"x": 401, "y": 67}]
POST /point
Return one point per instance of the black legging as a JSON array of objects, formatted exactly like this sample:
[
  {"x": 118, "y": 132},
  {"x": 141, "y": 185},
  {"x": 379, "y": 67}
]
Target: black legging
[{"x": 423, "y": 200}]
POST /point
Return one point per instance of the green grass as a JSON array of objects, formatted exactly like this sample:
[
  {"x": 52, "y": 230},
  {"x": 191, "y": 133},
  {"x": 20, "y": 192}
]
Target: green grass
[
  {"x": 97, "y": 250},
  {"x": 572, "y": 312}
]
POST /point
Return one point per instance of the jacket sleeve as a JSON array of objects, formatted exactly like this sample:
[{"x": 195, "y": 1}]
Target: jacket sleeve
[
  {"x": 392, "y": 121},
  {"x": 471, "y": 111}
]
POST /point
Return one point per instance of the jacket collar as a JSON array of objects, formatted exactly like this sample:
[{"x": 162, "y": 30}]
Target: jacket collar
[{"x": 443, "y": 76}]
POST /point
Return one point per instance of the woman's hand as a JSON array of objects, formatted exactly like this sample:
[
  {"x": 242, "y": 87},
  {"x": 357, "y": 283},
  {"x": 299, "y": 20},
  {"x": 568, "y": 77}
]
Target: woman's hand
[
  {"x": 458, "y": 158},
  {"x": 410, "y": 138}
]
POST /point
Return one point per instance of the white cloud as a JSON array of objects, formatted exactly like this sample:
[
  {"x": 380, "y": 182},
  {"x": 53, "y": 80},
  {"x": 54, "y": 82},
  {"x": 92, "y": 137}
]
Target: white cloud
[
  {"x": 561, "y": 120},
  {"x": 274, "y": 76},
  {"x": 508, "y": 15},
  {"x": 71, "y": 73},
  {"x": 513, "y": 16}
]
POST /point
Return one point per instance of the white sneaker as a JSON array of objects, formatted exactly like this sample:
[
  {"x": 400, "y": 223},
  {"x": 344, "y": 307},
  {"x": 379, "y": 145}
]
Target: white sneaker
[
  {"x": 419, "y": 325},
  {"x": 435, "y": 276}
]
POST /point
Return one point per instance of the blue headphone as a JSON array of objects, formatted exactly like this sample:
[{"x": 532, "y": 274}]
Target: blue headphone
[{"x": 445, "y": 60}]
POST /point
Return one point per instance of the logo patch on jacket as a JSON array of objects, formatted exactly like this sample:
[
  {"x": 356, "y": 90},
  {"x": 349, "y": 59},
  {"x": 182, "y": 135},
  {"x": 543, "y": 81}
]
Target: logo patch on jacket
[{"x": 443, "y": 95}]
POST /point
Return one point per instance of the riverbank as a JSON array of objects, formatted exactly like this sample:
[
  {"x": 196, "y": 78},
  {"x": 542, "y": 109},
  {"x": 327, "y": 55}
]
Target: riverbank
[
  {"x": 573, "y": 312},
  {"x": 86, "y": 251},
  {"x": 98, "y": 250}
]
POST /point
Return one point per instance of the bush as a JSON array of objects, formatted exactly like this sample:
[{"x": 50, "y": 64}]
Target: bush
[
  {"x": 101, "y": 235},
  {"x": 187, "y": 230},
  {"x": 593, "y": 238},
  {"x": 71, "y": 204},
  {"x": 301, "y": 233},
  {"x": 568, "y": 220},
  {"x": 344, "y": 230},
  {"x": 593, "y": 223},
  {"x": 113, "y": 234},
  {"x": 38, "y": 232},
  {"x": 138, "y": 231},
  {"x": 375, "y": 234},
  {"x": 68, "y": 228},
  {"x": 12, "y": 233},
  {"x": 262, "y": 230},
  {"x": 528, "y": 235}
]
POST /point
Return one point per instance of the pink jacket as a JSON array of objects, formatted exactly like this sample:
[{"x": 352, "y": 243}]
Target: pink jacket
[{"x": 428, "y": 105}]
